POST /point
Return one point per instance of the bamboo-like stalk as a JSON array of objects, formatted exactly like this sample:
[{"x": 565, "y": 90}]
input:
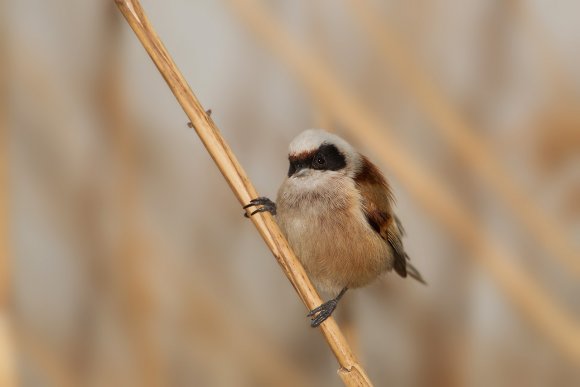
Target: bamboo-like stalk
[
  {"x": 351, "y": 372},
  {"x": 458, "y": 132},
  {"x": 518, "y": 286}
]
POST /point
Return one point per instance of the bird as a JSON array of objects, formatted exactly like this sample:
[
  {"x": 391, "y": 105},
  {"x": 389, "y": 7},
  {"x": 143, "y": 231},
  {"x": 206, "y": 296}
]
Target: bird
[{"x": 335, "y": 208}]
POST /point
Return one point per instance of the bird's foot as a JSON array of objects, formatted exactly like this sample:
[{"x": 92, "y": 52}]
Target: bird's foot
[
  {"x": 325, "y": 310},
  {"x": 322, "y": 312},
  {"x": 265, "y": 203}
]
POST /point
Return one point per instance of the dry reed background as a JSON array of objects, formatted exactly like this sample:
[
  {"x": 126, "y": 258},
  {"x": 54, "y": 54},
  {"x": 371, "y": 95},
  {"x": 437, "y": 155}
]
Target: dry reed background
[{"x": 124, "y": 258}]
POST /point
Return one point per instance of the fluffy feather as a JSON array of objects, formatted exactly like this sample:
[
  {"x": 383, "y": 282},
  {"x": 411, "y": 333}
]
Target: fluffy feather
[{"x": 340, "y": 223}]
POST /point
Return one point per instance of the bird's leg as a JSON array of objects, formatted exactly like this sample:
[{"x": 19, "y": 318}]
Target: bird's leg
[
  {"x": 267, "y": 205},
  {"x": 324, "y": 311}
]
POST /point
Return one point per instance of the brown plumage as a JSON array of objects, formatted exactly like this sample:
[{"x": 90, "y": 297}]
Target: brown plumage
[
  {"x": 335, "y": 209},
  {"x": 377, "y": 201}
]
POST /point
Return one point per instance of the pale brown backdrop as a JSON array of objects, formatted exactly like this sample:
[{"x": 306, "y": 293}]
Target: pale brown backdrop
[{"x": 126, "y": 261}]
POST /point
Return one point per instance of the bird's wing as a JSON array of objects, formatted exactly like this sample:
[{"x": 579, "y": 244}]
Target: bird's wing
[
  {"x": 377, "y": 205},
  {"x": 378, "y": 213}
]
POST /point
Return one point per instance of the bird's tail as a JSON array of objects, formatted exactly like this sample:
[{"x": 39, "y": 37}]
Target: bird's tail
[{"x": 414, "y": 273}]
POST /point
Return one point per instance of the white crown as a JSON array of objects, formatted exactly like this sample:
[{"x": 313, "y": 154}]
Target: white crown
[{"x": 311, "y": 139}]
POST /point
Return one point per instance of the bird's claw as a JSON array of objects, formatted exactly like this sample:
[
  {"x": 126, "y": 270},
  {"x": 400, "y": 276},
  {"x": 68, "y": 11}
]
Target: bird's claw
[
  {"x": 266, "y": 206},
  {"x": 321, "y": 313}
]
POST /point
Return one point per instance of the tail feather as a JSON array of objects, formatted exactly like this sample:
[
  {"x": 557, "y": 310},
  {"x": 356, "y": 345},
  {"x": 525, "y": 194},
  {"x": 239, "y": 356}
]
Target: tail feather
[{"x": 414, "y": 273}]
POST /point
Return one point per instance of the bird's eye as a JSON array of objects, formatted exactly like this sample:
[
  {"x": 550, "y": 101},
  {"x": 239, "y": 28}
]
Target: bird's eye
[{"x": 319, "y": 161}]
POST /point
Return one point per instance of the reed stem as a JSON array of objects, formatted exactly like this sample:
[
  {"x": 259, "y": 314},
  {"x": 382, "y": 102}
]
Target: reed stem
[{"x": 351, "y": 372}]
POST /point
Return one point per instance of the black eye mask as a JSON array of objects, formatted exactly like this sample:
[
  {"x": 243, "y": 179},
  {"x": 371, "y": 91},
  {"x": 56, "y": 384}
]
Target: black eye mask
[{"x": 326, "y": 158}]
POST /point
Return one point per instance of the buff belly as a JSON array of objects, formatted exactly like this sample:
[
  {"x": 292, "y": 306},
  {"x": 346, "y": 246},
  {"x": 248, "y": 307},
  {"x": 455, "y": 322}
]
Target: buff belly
[{"x": 337, "y": 248}]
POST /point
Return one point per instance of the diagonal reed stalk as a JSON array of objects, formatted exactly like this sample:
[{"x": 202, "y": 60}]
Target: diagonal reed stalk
[
  {"x": 351, "y": 372},
  {"x": 519, "y": 287}
]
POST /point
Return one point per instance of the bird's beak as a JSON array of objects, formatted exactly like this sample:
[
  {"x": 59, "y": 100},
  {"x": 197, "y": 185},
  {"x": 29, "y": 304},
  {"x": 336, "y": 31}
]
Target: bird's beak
[{"x": 301, "y": 172}]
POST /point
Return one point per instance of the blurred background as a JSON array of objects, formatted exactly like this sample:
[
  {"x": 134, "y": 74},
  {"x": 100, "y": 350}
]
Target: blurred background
[{"x": 124, "y": 256}]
